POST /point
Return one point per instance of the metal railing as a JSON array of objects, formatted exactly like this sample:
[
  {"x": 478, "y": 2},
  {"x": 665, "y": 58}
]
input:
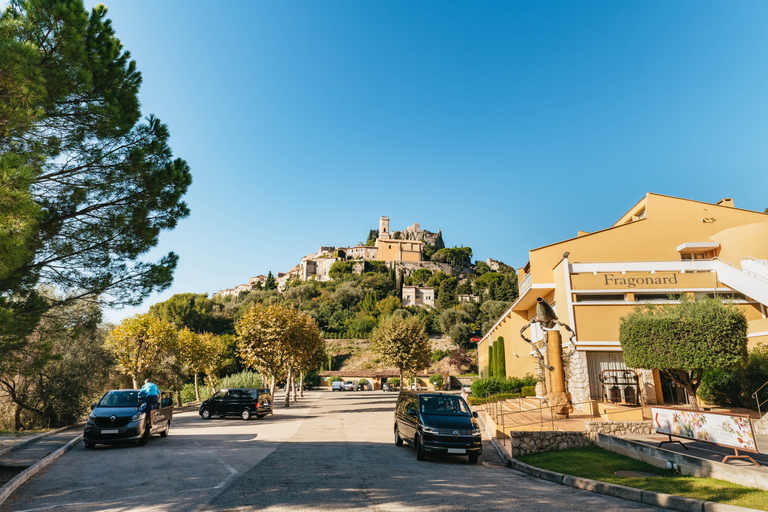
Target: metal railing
[
  {"x": 757, "y": 399},
  {"x": 494, "y": 407}
]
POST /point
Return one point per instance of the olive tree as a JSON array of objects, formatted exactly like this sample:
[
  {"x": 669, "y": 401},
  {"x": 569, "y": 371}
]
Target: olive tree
[{"x": 682, "y": 340}]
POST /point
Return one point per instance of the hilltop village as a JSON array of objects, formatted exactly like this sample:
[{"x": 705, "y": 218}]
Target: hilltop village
[{"x": 405, "y": 252}]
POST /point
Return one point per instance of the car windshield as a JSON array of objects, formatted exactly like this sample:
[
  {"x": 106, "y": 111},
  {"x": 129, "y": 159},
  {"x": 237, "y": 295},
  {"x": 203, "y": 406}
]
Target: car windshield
[
  {"x": 443, "y": 405},
  {"x": 120, "y": 399}
]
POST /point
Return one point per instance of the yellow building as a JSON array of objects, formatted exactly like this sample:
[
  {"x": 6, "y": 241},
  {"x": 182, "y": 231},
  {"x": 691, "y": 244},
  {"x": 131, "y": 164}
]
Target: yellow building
[
  {"x": 661, "y": 246},
  {"x": 390, "y": 249}
]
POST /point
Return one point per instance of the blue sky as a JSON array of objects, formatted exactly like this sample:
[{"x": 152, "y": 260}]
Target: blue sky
[{"x": 508, "y": 125}]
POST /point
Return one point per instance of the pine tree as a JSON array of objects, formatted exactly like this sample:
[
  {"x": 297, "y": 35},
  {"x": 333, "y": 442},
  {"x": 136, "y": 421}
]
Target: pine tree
[{"x": 270, "y": 283}]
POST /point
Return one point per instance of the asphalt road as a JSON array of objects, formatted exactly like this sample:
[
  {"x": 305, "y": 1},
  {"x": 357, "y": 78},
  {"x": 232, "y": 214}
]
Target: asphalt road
[{"x": 334, "y": 451}]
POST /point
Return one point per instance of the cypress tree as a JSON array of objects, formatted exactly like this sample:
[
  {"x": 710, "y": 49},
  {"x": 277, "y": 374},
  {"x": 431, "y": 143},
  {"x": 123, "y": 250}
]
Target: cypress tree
[
  {"x": 499, "y": 359},
  {"x": 490, "y": 361}
]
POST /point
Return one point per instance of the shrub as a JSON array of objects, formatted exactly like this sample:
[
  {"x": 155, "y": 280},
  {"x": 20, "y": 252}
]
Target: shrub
[
  {"x": 493, "y": 385},
  {"x": 312, "y": 380},
  {"x": 395, "y": 381},
  {"x": 244, "y": 379},
  {"x": 335, "y": 378},
  {"x": 734, "y": 387},
  {"x": 477, "y": 400},
  {"x": 188, "y": 392},
  {"x": 436, "y": 380},
  {"x": 437, "y": 355},
  {"x": 528, "y": 391}
]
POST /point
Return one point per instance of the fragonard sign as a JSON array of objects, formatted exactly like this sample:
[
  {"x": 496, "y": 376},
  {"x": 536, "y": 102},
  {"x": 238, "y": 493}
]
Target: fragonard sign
[
  {"x": 731, "y": 430},
  {"x": 631, "y": 282},
  {"x": 636, "y": 281}
]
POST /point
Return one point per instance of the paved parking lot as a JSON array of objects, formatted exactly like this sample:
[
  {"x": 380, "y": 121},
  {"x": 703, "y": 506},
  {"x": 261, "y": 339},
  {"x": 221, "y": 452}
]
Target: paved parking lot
[{"x": 332, "y": 452}]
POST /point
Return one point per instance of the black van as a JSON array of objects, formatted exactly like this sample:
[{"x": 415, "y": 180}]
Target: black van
[
  {"x": 439, "y": 423},
  {"x": 243, "y": 402}
]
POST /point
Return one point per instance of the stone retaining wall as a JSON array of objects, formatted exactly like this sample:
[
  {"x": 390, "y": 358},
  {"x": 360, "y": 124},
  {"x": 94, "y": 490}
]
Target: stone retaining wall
[
  {"x": 618, "y": 428},
  {"x": 527, "y": 443}
]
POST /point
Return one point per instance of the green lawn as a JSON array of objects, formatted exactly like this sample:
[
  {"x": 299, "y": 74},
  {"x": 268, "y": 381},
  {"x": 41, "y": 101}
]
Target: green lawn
[{"x": 598, "y": 464}]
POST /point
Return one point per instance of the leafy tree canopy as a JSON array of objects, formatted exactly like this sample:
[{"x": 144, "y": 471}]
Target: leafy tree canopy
[
  {"x": 684, "y": 339},
  {"x": 86, "y": 187}
]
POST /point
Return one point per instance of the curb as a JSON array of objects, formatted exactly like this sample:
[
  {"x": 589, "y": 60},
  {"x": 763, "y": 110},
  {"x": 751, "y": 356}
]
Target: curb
[
  {"x": 32, "y": 439},
  {"x": 656, "y": 499},
  {"x": 7, "y": 489}
]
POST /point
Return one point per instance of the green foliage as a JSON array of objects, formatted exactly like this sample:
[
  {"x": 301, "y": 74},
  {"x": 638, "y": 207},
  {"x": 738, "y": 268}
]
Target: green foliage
[
  {"x": 188, "y": 393},
  {"x": 528, "y": 391},
  {"x": 461, "y": 256},
  {"x": 493, "y": 385},
  {"x": 335, "y": 378},
  {"x": 684, "y": 339},
  {"x": 312, "y": 379},
  {"x": 192, "y": 310},
  {"x": 339, "y": 269},
  {"x": 734, "y": 387},
  {"x": 490, "y": 368},
  {"x": 402, "y": 342},
  {"x": 436, "y": 380},
  {"x": 373, "y": 234},
  {"x": 446, "y": 296},
  {"x": 439, "y": 354},
  {"x": 270, "y": 283},
  {"x": 244, "y": 379},
  {"x": 420, "y": 276},
  {"x": 453, "y": 316},
  {"x": 388, "y": 305},
  {"x": 499, "y": 359},
  {"x": 460, "y": 334},
  {"x": 395, "y": 381},
  {"x": 86, "y": 185},
  {"x": 480, "y": 400}
]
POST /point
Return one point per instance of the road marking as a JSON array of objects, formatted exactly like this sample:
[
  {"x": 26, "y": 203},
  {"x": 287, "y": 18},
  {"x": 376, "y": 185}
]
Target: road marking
[{"x": 232, "y": 473}]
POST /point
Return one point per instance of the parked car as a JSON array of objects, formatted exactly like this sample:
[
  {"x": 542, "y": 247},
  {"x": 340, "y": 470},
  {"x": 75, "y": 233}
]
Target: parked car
[
  {"x": 387, "y": 387},
  {"x": 119, "y": 417},
  {"x": 243, "y": 402},
  {"x": 437, "y": 423},
  {"x": 349, "y": 385},
  {"x": 337, "y": 385}
]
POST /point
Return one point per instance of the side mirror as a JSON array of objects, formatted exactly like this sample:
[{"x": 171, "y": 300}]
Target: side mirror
[
  {"x": 411, "y": 412},
  {"x": 474, "y": 414},
  {"x": 93, "y": 405}
]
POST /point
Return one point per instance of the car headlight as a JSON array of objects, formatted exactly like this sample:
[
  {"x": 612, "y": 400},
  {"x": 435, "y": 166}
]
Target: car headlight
[
  {"x": 476, "y": 432},
  {"x": 429, "y": 430},
  {"x": 137, "y": 416},
  {"x": 91, "y": 419}
]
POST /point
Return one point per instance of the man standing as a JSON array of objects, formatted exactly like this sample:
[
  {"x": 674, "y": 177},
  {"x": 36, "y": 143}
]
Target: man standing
[{"x": 150, "y": 393}]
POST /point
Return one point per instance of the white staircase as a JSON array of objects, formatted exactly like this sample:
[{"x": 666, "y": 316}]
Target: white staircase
[{"x": 751, "y": 278}]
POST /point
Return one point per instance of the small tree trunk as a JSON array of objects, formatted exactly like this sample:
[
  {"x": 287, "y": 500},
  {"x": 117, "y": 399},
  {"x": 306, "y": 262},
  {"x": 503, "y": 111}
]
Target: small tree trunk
[
  {"x": 301, "y": 385},
  {"x": 288, "y": 388},
  {"x": 272, "y": 386},
  {"x": 16, "y": 417},
  {"x": 135, "y": 384},
  {"x": 197, "y": 389}
]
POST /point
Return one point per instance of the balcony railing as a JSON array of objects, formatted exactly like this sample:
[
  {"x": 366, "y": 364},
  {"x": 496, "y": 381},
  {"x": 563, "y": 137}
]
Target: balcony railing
[{"x": 525, "y": 285}]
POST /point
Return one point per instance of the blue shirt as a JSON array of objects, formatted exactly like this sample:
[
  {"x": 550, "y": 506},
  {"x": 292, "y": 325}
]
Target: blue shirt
[{"x": 148, "y": 389}]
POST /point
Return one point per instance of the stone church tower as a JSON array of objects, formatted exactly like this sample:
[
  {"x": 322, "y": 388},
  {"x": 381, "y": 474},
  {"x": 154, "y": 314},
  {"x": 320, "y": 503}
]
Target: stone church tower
[{"x": 384, "y": 227}]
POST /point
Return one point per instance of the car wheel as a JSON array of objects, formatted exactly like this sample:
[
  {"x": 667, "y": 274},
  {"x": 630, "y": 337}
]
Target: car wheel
[
  {"x": 205, "y": 414},
  {"x": 245, "y": 414},
  {"x": 89, "y": 445},
  {"x": 421, "y": 454},
  {"x": 167, "y": 430},
  {"x": 145, "y": 437},
  {"x": 398, "y": 440},
  {"x": 473, "y": 458}
]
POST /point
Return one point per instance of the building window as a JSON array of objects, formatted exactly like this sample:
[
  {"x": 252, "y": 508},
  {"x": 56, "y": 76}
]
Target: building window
[
  {"x": 654, "y": 297},
  {"x": 605, "y": 297}
]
